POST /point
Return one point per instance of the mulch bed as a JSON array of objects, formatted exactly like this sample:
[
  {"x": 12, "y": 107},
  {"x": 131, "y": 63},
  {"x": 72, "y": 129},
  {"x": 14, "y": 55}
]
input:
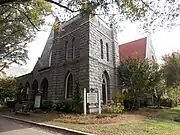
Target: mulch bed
[
  {"x": 92, "y": 119},
  {"x": 80, "y": 119}
]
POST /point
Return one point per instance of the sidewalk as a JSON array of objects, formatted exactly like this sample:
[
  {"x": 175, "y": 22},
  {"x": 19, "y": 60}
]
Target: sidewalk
[{"x": 37, "y": 119}]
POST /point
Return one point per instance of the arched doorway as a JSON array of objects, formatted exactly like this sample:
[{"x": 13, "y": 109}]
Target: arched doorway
[
  {"x": 44, "y": 89},
  {"x": 69, "y": 86},
  {"x": 25, "y": 93},
  {"x": 34, "y": 89},
  {"x": 105, "y": 87},
  {"x": 20, "y": 90}
]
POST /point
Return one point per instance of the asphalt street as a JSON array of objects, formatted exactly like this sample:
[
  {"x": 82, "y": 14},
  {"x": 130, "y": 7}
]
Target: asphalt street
[{"x": 9, "y": 127}]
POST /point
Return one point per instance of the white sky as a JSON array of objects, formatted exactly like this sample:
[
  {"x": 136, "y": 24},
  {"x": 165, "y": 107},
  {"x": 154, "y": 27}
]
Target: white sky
[{"x": 163, "y": 41}]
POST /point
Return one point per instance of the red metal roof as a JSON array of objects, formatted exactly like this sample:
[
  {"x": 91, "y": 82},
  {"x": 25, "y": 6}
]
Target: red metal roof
[{"x": 134, "y": 49}]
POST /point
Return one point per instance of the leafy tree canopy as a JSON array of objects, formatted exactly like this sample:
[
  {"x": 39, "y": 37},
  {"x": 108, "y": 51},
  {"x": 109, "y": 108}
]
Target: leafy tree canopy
[
  {"x": 153, "y": 13},
  {"x": 19, "y": 22},
  {"x": 8, "y": 87},
  {"x": 139, "y": 76},
  {"x": 20, "y": 19},
  {"x": 171, "y": 68}
]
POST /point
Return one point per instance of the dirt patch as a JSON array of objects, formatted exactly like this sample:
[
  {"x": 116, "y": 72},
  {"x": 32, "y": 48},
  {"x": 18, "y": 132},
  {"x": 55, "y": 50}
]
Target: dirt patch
[
  {"x": 92, "y": 119},
  {"x": 81, "y": 119}
]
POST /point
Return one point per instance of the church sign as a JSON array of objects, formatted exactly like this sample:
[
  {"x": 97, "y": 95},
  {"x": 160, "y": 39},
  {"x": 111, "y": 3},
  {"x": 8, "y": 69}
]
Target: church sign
[
  {"x": 37, "y": 101},
  {"x": 92, "y": 98}
]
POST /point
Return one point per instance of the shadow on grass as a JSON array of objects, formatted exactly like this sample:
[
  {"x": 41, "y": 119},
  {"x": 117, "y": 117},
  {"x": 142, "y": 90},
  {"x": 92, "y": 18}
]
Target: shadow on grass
[{"x": 162, "y": 114}]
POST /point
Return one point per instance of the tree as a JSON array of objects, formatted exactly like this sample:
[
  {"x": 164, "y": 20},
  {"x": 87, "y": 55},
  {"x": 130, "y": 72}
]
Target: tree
[
  {"x": 153, "y": 13},
  {"x": 20, "y": 19},
  {"x": 8, "y": 87},
  {"x": 159, "y": 91},
  {"x": 77, "y": 95},
  {"x": 19, "y": 22},
  {"x": 138, "y": 78},
  {"x": 171, "y": 68}
]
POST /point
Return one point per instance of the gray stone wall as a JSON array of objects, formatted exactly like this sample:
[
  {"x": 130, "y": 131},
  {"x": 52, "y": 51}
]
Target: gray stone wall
[
  {"x": 86, "y": 66},
  {"x": 38, "y": 76},
  {"x": 78, "y": 65},
  {"x": 97, "y": 65}
]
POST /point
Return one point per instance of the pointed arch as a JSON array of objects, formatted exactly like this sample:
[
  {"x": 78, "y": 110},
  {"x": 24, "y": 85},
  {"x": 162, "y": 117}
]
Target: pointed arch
[
  {"x": 34, "y": 89},
  {"x": 107, "y": 51},
  {"x": 20, "y": 90},
  {"x": 68, "y": 86},
  {"x": 105, "y": 87},
  {"x": 66, "y": 50},
  {"x": 44, "y": 88},
  {"x": 25, "y": 93},
  {"x": 102, "y": 53}
]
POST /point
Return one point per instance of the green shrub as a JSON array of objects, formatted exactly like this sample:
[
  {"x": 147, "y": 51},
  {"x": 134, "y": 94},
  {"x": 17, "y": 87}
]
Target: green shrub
[
  {"x": 47, "y": 106},
  {"x": 77, "y": 107},
  {"x": 113, "y": 108},
  {"x": 30, "y": 105},
  {"x": 100, "y": 116},
  {"x": 157, "y": 107},
  {"x": 113, "y": 115},
  {"x": 173, "y": 103},
  {"x": 65, "y": 106},
  {"x": 77, "y": 97},
  {"x": 69, "y": 106},
  {"x": 131, "y": 104},
  {"x": 117, "y": 97},
  {"x": 168, "y": 102},
  {"x": 177, "y": 119},
  {"x": 107, "y": 109},
  {"x": 119, "y": 108}
]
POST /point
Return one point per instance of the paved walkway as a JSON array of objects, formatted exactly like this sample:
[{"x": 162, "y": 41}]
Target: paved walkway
[{"x": 9, "y": 127}]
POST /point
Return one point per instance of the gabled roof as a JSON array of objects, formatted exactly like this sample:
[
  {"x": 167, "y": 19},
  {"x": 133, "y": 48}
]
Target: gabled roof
[
  {"x": 134, "y": 49},
  {"x": 43, "y": 61}
]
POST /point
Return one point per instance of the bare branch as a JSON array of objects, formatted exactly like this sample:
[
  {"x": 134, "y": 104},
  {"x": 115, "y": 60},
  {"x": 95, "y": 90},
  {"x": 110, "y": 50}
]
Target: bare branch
[
  {"x": 148, "y": 6},
  {"x": 5, "y": 65},
  {"x": 2, "y": 2},
  {"x": 3, "y": 20},
  {"x": 6, "y": 1},
  {"x": 60, "y": 5},
  {"x": 29, "y": 19}
]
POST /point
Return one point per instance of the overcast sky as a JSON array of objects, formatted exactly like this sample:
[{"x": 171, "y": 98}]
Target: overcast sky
[{"x": 163, "y": 41}]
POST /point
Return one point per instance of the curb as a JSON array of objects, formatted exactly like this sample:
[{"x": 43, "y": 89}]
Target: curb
[{"x": 62, "y": 130}]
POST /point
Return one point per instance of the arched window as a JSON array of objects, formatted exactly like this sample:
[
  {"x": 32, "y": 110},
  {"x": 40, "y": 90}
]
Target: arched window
[
  {"x": 66, "y": 50},
  {"x": 73, "y": 48},
  {"x": 101, "y": 42},
  {"x": 105, "y": 87},
  {"x": 26, "y": 91},
  {"x": 107, "y": 51},
  {"x": 69, "y": 86},
  {"x": 44, "y": 89},
  {"x": 34, "y": 88}
]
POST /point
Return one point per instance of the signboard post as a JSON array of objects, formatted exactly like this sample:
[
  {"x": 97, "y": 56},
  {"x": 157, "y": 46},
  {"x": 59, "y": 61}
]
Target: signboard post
[
  {"x": 92, "y": 98},
  {"x": 99, "y": 101},
  {"x": 37, "y": 101},
  {"x": 85, "y": 111}
]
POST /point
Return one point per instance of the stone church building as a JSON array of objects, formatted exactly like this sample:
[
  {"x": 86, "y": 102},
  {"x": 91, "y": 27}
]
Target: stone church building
[{"x": 85, "y": 51}]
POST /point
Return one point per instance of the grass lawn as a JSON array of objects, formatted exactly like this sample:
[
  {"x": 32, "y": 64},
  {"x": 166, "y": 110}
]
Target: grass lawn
[{"x": 143, "y": 122}]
